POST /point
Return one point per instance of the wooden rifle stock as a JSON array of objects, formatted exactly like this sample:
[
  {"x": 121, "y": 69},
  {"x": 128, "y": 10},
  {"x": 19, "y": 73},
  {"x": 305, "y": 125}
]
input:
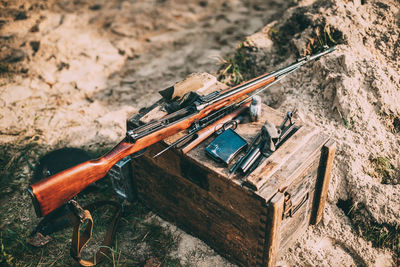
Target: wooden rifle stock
[{"x": 50, "y": 193}]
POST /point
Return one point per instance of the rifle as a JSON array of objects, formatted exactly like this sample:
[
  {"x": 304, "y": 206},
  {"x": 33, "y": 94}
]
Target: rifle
[{"x": 51, "y": 193}]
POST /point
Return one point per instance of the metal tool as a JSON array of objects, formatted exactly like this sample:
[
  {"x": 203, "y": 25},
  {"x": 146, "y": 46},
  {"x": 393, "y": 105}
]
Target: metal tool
[
  {"x": 255, "y": 108},
  {"x": 263, "y": 145}
]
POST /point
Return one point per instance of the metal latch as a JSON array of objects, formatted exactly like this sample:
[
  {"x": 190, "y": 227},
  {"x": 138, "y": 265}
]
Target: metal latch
[{"x": 292, "y": 205}]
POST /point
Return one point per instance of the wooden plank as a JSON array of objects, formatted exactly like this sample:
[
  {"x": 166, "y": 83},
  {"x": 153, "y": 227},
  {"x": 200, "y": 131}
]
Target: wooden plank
[
  {"x": 293, "y": 168},
  {"x": 273, "y": 229},
  {"x": 301, "y": 159},
  {"x": 324, "y": 176},
  {"x": 266, "y": 169},
  {"x": 294, "y": 228},
  {"x": 202, "y": 83}
]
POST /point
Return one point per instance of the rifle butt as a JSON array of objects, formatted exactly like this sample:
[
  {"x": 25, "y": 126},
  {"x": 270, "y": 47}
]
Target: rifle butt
[{"x": 54, "y": 191}]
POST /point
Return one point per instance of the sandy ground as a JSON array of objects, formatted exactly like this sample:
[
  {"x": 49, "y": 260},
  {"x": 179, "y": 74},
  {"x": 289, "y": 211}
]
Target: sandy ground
[
  {"x": 354, "y": 95},
  {"x": 98, "y": 65},
  {"x": 73, "y": 71}
]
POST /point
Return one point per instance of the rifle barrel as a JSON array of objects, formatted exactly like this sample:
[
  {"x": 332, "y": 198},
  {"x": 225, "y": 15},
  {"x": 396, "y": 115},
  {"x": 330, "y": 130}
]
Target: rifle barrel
[{"x": 275, "y": 75}]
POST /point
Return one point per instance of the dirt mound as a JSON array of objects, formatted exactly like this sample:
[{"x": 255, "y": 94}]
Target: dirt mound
[{"x": 353, "y": 94}]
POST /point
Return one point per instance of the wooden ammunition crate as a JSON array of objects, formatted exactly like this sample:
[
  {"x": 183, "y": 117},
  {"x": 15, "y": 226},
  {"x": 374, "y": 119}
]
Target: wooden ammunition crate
[{"x": 249, "y": 225}]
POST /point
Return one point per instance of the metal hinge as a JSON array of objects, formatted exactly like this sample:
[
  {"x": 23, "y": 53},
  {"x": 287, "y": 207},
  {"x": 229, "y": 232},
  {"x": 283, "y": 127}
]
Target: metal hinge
[{"x": 292, "y": 205}]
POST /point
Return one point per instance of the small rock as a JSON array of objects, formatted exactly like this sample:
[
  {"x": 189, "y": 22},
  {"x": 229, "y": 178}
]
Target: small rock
[
  {"x": 21, "y": 15},
  {"x": 48, "y": 77},
  {"x": 35, "y": 46},
  {"x": 123, "y": 29},
  {"x": 62, "y": 65},
  {"x": 203, "y": 3},
  {"x": 95, "y": 7},
  {"x": 35, "y": 28}
]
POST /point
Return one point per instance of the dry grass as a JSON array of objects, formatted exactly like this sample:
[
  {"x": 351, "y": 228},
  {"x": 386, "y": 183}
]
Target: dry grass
[
  {"x": 323, "y": 35},
  {"x": 383, "y": 170},
  {"x": 236, "y": 68},
  {"x": 391, "y": 121},
  {"x": 380, "y": 235}
]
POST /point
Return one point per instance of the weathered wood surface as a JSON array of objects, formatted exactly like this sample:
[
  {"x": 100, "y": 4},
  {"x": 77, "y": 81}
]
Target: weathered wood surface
[
  {"x": 304, "y": 184},
  {"x": 285, "y": 153},
  {"x": 273, "y": 229},
  {"x": 219, "y": 187},
  {"x": 202, "y": 83},
  {"x": 326, "y": 163},
  {"x": 294, "y": 167}
]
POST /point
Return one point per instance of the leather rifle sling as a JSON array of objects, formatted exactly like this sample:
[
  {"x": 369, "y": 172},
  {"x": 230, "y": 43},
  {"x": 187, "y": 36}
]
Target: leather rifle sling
[{"x": 79, "y": 240}]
